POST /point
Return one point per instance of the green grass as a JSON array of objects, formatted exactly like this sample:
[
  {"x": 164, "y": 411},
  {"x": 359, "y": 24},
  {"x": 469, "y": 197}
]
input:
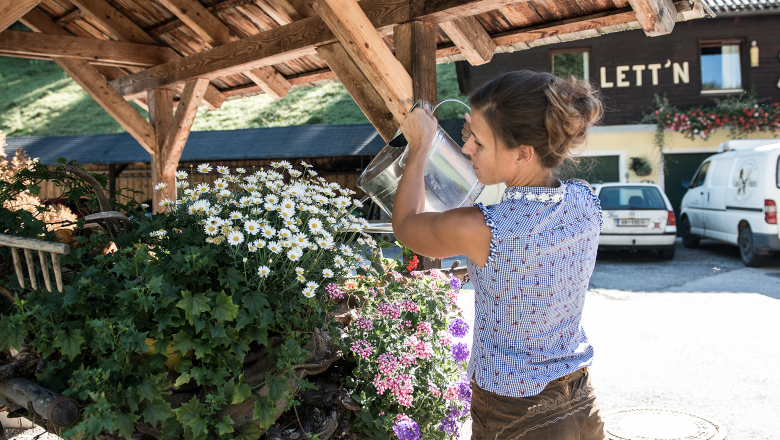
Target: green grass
[{"x": 38, "y": 99}]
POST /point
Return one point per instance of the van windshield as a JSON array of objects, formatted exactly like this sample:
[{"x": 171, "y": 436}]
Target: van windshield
[
  {"x": 631, "y": 197},
  {"x": 777, "y": 173}
]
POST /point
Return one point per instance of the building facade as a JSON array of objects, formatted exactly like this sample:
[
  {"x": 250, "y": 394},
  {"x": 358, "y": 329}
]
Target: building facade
[{"x": 700, "y": 62}]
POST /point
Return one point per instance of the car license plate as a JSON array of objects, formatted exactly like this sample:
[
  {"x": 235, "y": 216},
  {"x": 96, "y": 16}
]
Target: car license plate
[{"x": 632, "y": 222}]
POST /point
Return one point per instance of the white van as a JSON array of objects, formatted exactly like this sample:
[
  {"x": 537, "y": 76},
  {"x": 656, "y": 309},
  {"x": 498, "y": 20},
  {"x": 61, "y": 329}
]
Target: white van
[{"x": 733, "y": 198}]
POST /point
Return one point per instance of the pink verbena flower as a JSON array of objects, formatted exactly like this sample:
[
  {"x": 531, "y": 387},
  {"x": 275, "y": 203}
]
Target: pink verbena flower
[
  {"x": 407, "y": 359},
  {"x": 397, "y": 276},
  {"x": 402, "y": 417},
  {"x": 334, "y": 292},
  {"x": 437, "y": 275},
  {"x": 387, "y": 364},
  {"x": 409, "y": 306},
  {"x": 421, "y": 349},
  {"x": 402, "y": 389},
  {"x": 362, "y": 348},
  {"x": 444, "y": 337},
  {"x": 365, "y": 324},
  {"x": 451, "y": 393},
  {"x": 424, "y": 328},
  {"x": 380, "y": 384},
  {"x": 434, "y": 389},
  {"x": 389, "y": 310}
]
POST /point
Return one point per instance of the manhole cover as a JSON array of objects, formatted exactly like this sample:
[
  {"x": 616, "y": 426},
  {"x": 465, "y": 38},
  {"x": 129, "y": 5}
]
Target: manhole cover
[{"x": 660, "y": 424}]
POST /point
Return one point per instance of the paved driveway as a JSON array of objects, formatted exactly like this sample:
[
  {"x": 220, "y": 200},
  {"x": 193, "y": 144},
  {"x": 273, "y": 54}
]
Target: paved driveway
[{"x": 680, "y": 334}]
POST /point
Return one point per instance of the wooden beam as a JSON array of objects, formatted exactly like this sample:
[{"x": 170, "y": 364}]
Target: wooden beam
[
  {"x": 657, "y": 17},
  {"x": 182, "y": 123},
  {"x": 216, "y": 33},
  {"x": 360, "y": 89},
  {"x": 439, "y": 11},
  {"x": 96, "y": 86},
  {"x": 68, "y": 18},
  {"x": 120, "y": 26},
  {"x": 365, "y": 46},
  {"x": 102, "y": 51},
  {"x": 471, "y": 38},
  {"x": 161, "y": 118},
  {"x": 13, "y": 10},
  {"x": 415, "y": 48}
]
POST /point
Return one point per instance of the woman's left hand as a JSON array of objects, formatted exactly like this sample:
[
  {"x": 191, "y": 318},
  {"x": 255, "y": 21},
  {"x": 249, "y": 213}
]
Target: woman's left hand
[{"x": 419, "y": 128}]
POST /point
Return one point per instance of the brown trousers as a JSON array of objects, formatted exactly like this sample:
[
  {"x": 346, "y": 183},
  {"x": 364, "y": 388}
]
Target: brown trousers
[{"x": 565, "y": 410}]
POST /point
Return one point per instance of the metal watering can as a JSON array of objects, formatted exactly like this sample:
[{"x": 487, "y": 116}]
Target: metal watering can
[{"x": 450, "y": 181}]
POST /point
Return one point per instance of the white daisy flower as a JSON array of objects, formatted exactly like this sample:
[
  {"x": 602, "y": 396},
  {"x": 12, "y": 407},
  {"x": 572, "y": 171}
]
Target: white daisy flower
[
  {"x": 270, "y": 207},
  {"x": 235, "y": 238},
  {"x": 189, "y": 192},
  {"x": 252, "y": 227},
  {"x": 272, "y": 198},
  {"x": 284, "y": 164},
  {"x": 245, "y": 201},
  {"x": 313, "y": 209},
  {"x": 274, "y": 247},
  {"x": 159, "y": 186},
  {"x": 295, "y": 254},
  {"x": 144, "y": 206},
  {"x": 285, "y": 233},
  {"x": 312, "y": 285},
  {"x": 287, "y": 204},
  {"x": 331, "y": 220},
  {"x": 276, "y": 164},
  {"x": 312, "y": 172},
  {"x": 224, "y": 193},
  {"x": 240, "y": 170},
  {"x": 235, "y": 215},
  {"x": 223, "y": 170},
  {"x": 259, "y": 243},
  {"x": 268, "y": 232},
  {"x": 202, "y": 188},
  {"x": 204, "y": 168},
  {"x": 346, "y": 250},
  {"x": 182, "y": 184},
  {"x": 360, "y": 241},
  {"x": 263, "y": 271},
  {"x": 287, "y": 244},
  {"x": 251, "y": 248},
  {"x": 327, "y": 273},
  {"x": 301, "y": 278},
  {"x": 299, "y": 270},
  {"x": 313, "y": 246},
  {"x": 357, "y": 203},
  {"x": 295, "y": 173},
  {"x": 339, "y": 261},
  {"x": 211, "y": 229},
  {"x": 308, "y": 293},
  {"x": 301, "y": 240},
  {"x": 287, "y": 213},
  {"x": 289, "y": 222},
  {"x": 166, "y": 202},
  {"x": 181, "y": 175}
]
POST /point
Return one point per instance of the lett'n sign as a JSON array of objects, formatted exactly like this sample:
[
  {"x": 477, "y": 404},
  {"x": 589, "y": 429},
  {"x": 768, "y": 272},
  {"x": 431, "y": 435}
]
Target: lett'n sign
[{"x": 623, "y": 76}]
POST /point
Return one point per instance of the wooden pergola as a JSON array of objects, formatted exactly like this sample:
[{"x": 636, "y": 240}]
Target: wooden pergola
[{"x": 172, "y": 56}]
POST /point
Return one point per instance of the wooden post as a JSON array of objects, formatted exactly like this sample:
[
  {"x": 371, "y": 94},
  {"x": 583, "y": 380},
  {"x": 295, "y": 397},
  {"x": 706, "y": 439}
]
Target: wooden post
[
  {"x": 415, "y": 48},
  {"x": 161, "y": 117}
]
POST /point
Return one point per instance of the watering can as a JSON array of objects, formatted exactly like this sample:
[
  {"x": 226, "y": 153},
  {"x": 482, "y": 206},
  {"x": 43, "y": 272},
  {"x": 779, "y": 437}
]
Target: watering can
[{"x": 450, "y": 180}]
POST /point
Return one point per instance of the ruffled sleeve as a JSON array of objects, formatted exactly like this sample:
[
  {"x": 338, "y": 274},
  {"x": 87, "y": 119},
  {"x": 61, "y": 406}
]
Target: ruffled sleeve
[
  {"x": 493, "y": 232},
  {"x": 591, "y": 196}
]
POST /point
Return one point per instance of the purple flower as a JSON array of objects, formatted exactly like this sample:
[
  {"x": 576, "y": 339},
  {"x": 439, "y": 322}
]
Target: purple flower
[
  {"x": 464, "y": 391},
  {"x": 449, "y": 426},
  {"x": 460, "y": 352},
  {"x": 454, "y": 283},
  {"x": 459, "y": 328},
  {"x": 407, "y": 430}
]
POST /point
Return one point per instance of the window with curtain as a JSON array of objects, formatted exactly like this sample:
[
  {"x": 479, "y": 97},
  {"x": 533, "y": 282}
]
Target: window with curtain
[
  {"x": 571, "y": 62},
  {"x": 721, "y": 66}
]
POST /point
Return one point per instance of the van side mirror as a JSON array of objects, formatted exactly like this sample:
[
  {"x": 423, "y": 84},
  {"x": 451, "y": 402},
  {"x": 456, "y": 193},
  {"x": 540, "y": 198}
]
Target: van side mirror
[{"x": 686, "y": 183}]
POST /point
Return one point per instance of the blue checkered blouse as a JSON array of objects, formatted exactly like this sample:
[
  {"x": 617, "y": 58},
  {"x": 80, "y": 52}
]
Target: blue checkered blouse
[{"x": 530, "y": 294}]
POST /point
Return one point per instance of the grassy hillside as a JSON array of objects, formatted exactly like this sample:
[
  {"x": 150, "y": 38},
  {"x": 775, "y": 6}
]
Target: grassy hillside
[{"x": 38, "y": 99}]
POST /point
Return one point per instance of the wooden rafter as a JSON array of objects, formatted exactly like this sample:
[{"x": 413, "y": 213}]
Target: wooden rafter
[
  {"x": 25, "y": 44},
  {"x": 471, "y": 38},
  {"x": 415, "y": 49},
  {"x": 13, "y": 10},
  {"x": 657, "y": 17},
  {"x": 366, "y": 47},
  {"x": 216, "y": 33},
  {"x": 177, "y": 136}
]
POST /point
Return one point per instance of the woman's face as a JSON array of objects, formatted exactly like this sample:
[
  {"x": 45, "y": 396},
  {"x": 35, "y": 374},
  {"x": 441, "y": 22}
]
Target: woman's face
[{"x": 492, "y": 162}]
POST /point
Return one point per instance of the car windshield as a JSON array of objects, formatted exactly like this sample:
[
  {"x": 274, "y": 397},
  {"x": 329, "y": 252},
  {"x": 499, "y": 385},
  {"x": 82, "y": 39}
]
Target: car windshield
[{"x": 631, "y": 197}]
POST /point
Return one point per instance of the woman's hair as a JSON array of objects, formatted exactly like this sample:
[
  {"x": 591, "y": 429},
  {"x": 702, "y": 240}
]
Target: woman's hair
[{"x": 550, "y": 114}]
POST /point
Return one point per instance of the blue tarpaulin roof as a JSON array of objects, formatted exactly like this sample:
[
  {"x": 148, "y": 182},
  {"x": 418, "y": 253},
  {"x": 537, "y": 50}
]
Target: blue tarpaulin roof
[{"x": 297, "y": 141}]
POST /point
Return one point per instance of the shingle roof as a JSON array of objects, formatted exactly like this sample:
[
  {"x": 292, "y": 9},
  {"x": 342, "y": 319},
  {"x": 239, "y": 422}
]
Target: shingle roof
[
  {"x": 299, "y": 141},
  {"x": 743, "y": 5}
]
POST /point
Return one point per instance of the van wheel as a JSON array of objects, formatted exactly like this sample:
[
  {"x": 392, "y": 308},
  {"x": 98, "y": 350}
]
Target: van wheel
[
  {"x": 747, "y": 250},
  {"x": 666, "y": 253},
  {"x": 688, "y": 239}
]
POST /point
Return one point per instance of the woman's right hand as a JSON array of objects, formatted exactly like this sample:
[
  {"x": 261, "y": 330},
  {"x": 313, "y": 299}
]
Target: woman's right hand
[{"x": 466, "y": 132}]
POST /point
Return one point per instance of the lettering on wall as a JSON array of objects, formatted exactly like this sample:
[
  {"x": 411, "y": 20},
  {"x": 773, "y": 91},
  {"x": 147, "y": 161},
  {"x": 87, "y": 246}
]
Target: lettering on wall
[{"x": 623, "y": 77}]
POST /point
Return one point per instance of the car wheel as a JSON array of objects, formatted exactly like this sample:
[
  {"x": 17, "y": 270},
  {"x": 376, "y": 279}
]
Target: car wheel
[
  {"x": 666, "y": 253},
  {"x": 688, "y": 239},
  {"x": 747, "y": 249}
]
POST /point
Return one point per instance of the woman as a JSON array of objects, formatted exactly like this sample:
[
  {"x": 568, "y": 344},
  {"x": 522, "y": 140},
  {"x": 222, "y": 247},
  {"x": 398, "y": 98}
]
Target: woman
[{"x": 530, "y": 257}]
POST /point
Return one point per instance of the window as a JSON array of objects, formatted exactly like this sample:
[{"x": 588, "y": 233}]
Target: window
[
  {"x": 698, "y": 179},
  {"x": 721, "y": 67},
  {"x": 631, "y": 197},
  {"x": 571, "y": 62},
  {"x": 777, "y": 173}
]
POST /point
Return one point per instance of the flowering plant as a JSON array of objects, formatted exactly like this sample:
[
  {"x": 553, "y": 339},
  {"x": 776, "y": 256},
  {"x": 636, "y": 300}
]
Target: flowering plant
[{"x": 410, "y": 374}]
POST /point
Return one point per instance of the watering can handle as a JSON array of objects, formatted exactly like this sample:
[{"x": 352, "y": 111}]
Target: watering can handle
[{"x": 399, "y": 140}]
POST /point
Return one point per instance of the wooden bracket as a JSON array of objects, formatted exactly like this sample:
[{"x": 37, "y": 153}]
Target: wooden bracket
[
  {"x": 657, "y": 17},
  {"x": 471, "y": 38},
  {"x": 13, "y": 10}
]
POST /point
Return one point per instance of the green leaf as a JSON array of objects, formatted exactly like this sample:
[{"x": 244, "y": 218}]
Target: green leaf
[
  {"x": 197, "y": 428},
  {"x": 241, "y": 348},
  {"x": 267, "y": 318},
  {"x": 265, "y": 410},
  {"x": 155, "y": 284},
  {"x": 249, "y": 432},
  {"x": 225, "y": 426},
  {"x": 242, "y": 392},
  {"x": 156, "y": 412},
  {"x": 69, "y": 341},
  {"x": 224, "y": 310},
  {"x": 132, "y": 399},
  {"x": 182, "y": 379},
  {"x": 148, "y": 391},
  {"x": 254, "y": 301},
  {"x": 100, "y": 421},
  {"x": 201, "y": 348},
  {"x": 189, "y": 410},
  {"x": 258, "y": 334},
  {"x": 12, "y": 332},
  {"x": 123, "y": 423},
  {"x": 181, "y": 343},
  {"x": 193, "y": 306},
  {"x": 34, "y": 189},
  {"x": 231, "y": 277},
  {"x": 276, "y": 387}
]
